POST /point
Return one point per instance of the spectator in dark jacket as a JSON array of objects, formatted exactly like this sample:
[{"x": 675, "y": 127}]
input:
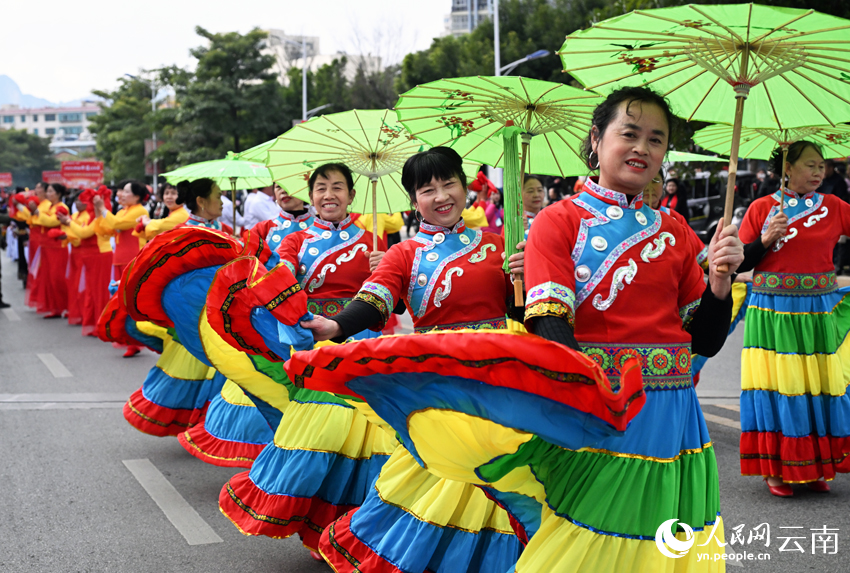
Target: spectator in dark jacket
[
  {"x": 834, "y": 183},
  {"x": 769, "y": 186}
]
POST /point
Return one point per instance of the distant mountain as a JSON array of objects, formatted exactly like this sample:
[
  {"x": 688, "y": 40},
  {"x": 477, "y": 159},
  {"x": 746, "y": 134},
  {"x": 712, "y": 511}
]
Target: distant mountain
[{"x": 10, "y": 93}]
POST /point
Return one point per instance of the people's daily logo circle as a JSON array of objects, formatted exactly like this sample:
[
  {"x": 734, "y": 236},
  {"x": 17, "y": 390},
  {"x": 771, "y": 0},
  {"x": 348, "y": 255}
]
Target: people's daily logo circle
[{"x": 667, "y": 542}]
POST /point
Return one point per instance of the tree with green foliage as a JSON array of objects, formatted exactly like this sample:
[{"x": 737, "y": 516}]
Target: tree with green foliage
[
  {"x": 26, "y": 156},
  {"x": 124, "y": 122},
  {"x": 231, "y": 102}
]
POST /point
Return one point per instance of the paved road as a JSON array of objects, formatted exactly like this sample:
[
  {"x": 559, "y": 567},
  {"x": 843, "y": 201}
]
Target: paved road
[{"x": 70, "y": 503}]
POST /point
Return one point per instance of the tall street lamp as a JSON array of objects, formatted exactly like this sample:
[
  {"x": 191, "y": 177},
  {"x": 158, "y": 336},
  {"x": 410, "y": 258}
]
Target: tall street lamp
[
  {"x": 506, "y": 70},
  {"x": 153, "y": 109},
  {"x": 303, "y": 45}
]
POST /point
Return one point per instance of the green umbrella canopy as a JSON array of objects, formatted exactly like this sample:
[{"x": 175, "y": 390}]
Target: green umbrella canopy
[
  {"x": 760, "y": 143},
  {"x": 708, "y": 60},
  {"x": 230, "y": 173},
  {"x": 469, "y": 114},
  {"x": 372, "y": 143},
  {"x": 789, "y": 64},
  {"x": 258, "y": 153},
  {"x": 682, "y": 156}
]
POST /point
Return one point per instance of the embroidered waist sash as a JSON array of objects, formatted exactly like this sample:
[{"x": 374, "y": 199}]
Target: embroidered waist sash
[
  {"x": 327, "y": 307},
  {"x": 787, "y": 284},
  {"x": 664, "y": 366},
  {"x": 490, "y": 324}
]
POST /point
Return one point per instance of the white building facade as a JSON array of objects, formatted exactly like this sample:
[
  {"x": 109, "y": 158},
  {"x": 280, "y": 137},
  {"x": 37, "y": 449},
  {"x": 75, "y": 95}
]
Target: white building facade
[{"x": 64, "y": 123}]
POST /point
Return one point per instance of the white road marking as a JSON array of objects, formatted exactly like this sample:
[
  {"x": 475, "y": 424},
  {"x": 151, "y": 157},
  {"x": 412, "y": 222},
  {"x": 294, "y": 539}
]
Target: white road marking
[
  {"x": 11, "y": 315},
  {"x": 182, "y": 516},
  {"x": 55, "y": 366},
  {"x": 721, "y": 420},
  {"x": 733, "y": 407}
]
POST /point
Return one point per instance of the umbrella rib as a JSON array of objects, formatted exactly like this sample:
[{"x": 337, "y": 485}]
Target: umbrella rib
[
  {"x": 345, "y": 145},
  {"x": 789, "y": 22},
  {"x": 784, "y": 77},
  {"x": 660, "y": 35},
  {"x": 690, "y": 79},
  {"x": 441, "y": 127},
  {"x": 707, "y": 92},
  {"x": 634, "y": 74},
  {"x": 374, "y": 151},
  {"x": 772, "y": 107},
  {"x": 709, "y": 32},
  {"x": 809, "y": 33},
  {"x": 808, "y": 67},
  {"x": 826, "y": 89},
  {"x": 555, "y": 155},
  {"x": 550, "y": 90},
  {"x": 716, "y": 23},
  {"x": 453, "y": 81},
  {"x": 348, "y": 135}
]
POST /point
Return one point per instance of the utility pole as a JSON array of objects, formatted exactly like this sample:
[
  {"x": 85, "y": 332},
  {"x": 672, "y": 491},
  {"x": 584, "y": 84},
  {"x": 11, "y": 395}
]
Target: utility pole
[{"x": 496, "y": 53}]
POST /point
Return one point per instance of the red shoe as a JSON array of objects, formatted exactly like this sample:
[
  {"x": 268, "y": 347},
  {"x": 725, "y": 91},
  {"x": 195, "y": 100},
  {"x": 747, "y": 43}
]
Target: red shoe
[
  {"x": 131, "y": 351},
  {"x": 53, "y": 315},
  {"x": 819, "y": 486},
  {"x": 782, "y": 490},
  {"x": 317, "y": 556}
]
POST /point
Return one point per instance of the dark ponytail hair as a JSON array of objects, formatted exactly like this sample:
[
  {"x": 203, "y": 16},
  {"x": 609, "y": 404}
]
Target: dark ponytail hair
[
  {"x": 606, "y": 111},
  {"x": 60, "y": 189},
  {"x": 192, "y": 190},
  {"x": 795, "y": 150}
]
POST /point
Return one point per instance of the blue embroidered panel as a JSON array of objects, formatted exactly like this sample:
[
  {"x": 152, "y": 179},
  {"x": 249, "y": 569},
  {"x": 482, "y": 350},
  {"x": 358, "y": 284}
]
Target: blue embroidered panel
[
  {"x": 280, "y": 231},
  {"x": 451, "y": 249},
  {"x": 324, "y": 249},
  {"x": 620, "y": 235}
]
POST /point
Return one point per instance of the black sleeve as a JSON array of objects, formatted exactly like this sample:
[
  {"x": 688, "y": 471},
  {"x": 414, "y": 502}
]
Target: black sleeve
[
  {"x": 709, "y": 327},
  {"x": 556, "y": 329},
  {"x": 357, "y": 316},
  {"x": 753, "y": 254}
]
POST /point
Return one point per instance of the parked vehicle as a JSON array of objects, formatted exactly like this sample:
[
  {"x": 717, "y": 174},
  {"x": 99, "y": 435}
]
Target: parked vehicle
[{"x": 706, "y": 200}]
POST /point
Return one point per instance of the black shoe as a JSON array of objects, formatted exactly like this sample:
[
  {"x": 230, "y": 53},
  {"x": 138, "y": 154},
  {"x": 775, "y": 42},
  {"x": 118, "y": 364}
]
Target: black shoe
[{"x": 4, "y": 304}]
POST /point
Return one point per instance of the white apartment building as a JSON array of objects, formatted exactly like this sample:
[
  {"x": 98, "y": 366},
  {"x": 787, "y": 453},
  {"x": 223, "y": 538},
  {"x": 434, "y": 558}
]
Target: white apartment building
[
  {"x": 62, "y": 123},
  {"x": 286, "y": 50},
  {"x": 466, "y": 15}
]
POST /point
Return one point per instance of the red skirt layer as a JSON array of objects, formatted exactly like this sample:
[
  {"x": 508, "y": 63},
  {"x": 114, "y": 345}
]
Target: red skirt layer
[
  {"x": 208, "y": 448},
  {"x": 52, "y": 276},
  {"x": 33, "y": 295},
  {"x": 75, "y": 270},
  {"x": 252, "y": 512},
  {"x": 94, "y": 286},
  {"x": 347, "y": 554},
  {"x": 794, "y": 460},
  {"x": 158, "y": 420}
]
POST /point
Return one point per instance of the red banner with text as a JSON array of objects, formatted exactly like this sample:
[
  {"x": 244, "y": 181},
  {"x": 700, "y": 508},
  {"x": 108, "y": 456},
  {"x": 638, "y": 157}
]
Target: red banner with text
[
  {"x": 52, "y": 177},
  {"x": 82, "y": 174},
  {"x": 5, "y": 179}
]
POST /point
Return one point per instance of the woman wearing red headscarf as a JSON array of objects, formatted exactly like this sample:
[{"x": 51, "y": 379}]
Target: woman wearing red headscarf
[{"x": 91, "y": 262}]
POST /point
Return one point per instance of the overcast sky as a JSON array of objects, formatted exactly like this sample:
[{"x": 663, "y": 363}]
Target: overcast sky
[{"x": 61, "y": 50}]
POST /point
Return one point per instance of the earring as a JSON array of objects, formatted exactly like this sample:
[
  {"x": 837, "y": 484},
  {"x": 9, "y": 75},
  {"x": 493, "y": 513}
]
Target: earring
[
  {"x": 418, "y": 216},
  {"x": 590, "y": 161}
]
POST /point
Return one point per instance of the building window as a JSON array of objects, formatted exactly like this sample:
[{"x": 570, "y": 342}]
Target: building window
[
  {"x": 23, "y": 118},
  {"x": 8, "y": 119},
  {"x": 50, "y": 131},
  {"x": 35, "y": 131},
  {"x": 90, "y": 114},
  {"x": 50, "y": 117},
  {"x": 69, "y": 117},
  {"x": 73, "y": 129},
  {"x": 35, "y": 118}
]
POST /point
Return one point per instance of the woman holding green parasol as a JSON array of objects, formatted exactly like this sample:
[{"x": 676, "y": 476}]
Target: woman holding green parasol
[
  {"x": 795, "y": 412},
  {"x": 449, "y": 277}
]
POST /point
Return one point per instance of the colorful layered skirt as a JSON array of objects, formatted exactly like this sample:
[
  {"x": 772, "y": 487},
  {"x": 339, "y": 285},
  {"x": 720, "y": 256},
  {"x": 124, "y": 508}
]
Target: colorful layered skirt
[
  {"x": 413, "y": 520},
  {"x": 175, "y": 394},
  {"x": 233, "y": 432},
  {"x": 795, "y": 411},
  {"x": 611, "y": 467}
]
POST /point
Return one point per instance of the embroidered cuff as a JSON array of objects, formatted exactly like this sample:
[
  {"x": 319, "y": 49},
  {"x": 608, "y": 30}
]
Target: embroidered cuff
[
  {"x": 686, "y": 313},
  {"x": 702, "y": 258},
  {"x": 289, "y": 266},
  {"x": 559, "y": 309},
  {"x": 556, "y": 291}
]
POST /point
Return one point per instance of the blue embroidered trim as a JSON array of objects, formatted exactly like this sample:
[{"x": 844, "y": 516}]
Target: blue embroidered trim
[
  {"x": 802, "y": 214},
  {"x": 417, "y": 260},
  {"x": 315, "y": 238}
]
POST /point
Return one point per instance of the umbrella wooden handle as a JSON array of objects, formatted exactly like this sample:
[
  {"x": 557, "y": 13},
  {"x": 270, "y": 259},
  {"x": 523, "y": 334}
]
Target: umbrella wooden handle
[
  {"x": 733, "y": 170},
  {"x": 518, "y": 296}
]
